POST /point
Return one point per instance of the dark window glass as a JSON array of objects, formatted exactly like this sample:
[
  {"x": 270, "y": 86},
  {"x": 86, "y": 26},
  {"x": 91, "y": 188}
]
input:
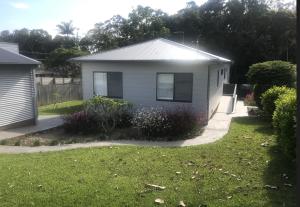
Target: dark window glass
[
  {"x": 183, "y": 90},
  {"x": 108, "y": 84}
]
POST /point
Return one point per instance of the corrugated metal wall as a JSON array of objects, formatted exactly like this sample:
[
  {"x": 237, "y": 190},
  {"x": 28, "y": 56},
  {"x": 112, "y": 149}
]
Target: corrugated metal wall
[{"x": 16, "y": 94}]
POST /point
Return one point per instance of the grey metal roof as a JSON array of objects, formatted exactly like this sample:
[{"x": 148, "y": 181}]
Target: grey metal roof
[
  {"x": 154, "y": 50},
  {"x": 8, "y": 57}
]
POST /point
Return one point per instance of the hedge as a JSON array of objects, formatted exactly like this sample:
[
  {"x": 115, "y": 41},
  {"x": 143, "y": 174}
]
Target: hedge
[
  {"x": 269, "y": 97},
  {"x": 267, "y": 74},
  {"x": 284, "y": 121}
]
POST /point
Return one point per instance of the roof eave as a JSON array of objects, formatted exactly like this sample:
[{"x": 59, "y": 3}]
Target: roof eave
[
  {"x": 14, "y": 63},
  {"x": 158, "y": 60}
]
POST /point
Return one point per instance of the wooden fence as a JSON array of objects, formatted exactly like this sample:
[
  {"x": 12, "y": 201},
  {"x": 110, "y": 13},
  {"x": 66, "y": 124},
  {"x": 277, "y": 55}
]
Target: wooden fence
[{"x": 56, "y": 93}]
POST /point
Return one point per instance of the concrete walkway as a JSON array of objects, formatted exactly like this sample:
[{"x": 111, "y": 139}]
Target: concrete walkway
[
  {"x": 43, "y": 123},
  {"x": 217, "y": 127}
]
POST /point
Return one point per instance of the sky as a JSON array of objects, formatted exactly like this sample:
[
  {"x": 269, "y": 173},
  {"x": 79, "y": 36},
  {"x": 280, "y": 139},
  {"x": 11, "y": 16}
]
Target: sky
[{"x": 46, "y": 14}]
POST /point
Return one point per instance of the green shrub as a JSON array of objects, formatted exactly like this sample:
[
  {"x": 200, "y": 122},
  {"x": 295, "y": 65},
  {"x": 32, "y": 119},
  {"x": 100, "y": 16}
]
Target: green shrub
[
  {"x": 284, "y": 122},
  {"x": 18, "y": 143},
  {"x": 267, "y": 74},
  {"x": 3, "y": 142},
  {"x": 36, "y": 143},
  {"x": 54, "y": 142},
  {"x": 258, "y": 91},
  {"x": 276, "y": 72},
  {"x": 109, "y": 113},
  {"x": 269, "y": 97}
]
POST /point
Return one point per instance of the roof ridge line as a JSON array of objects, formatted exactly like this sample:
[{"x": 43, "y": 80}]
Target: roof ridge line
[
  {"x": 195, "y": 49},
  {"x": 119, "y": 48}
]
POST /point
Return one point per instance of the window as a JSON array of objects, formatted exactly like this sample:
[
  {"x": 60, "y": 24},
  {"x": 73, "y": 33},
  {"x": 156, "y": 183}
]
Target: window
[
  {"x": 175, "y": 87},
  {"x": 100, "y": 84},
  {"x": 108, "y": 84},
  {"x": 165, "y": 86}
]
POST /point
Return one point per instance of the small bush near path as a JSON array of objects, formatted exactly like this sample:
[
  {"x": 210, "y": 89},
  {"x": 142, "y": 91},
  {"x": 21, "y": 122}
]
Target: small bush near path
[
  {"x": 245, "y": 168},
  {"x": 269, "y": 97},
  {"x": 284, "y": 122},
  {"x": 109, "y": 113},
  {"x": 249, "y": 100}
]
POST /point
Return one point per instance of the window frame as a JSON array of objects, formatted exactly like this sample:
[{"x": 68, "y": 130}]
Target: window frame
[
  {"x": 174, "y": 88},
  {"x": 108, "y": 96}
]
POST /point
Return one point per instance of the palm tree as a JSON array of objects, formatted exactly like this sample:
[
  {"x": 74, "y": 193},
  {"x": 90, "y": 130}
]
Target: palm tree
[{"x": 66, "y": 28}]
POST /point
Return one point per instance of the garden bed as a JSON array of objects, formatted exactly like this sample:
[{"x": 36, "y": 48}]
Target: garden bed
[{"x": 57, "y": 136}]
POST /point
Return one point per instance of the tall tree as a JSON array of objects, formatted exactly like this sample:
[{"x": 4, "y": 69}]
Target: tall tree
[
  {"x": 66, "y": 28},
  {"x": 57, "y": 62}
]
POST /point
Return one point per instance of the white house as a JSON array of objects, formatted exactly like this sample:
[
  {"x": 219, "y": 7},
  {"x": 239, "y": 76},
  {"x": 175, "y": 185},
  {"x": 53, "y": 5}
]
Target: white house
[
  {"x": 17, "y": 88},
  {"x": 159, "y": 72}
]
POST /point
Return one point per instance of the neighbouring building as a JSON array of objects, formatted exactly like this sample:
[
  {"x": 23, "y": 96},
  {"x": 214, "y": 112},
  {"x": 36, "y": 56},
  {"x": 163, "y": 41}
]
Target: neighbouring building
[{"x": 17, "y": 87}]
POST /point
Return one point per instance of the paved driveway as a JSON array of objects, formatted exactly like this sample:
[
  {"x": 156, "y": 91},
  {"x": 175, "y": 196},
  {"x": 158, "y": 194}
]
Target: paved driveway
[{"x": 43, "y": 123}]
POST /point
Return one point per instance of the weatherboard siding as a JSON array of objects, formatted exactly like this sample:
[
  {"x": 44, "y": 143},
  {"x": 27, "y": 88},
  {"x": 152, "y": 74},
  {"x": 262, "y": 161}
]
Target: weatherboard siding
[
  {"x": 16, "y": 94},
  {"x": 139, "y": 82}
]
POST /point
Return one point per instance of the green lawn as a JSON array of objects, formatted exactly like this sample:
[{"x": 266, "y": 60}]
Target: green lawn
[
  {"x": 230, "y": 172},
  {"x": 61, "y": 108}
]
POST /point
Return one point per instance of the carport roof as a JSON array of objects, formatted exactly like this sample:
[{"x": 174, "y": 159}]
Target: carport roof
[
  {"x": 10, "y": 58},
  {"x": 153, "y": 50}
]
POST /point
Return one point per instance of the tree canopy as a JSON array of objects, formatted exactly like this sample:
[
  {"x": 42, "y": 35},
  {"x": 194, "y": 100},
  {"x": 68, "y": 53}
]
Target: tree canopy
[{"x": 245, "y": 31}]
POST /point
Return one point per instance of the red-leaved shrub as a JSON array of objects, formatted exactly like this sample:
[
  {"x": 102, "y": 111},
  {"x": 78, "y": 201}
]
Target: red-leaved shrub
[{"x": 80, "y": 122}]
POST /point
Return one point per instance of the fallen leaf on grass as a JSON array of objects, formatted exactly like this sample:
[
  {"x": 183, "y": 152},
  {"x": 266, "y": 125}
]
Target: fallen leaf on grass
[
  {"x": 229, "y": 197},
  {"x": 181, "y": 204},
  {"x": 287, "y": 184},
  {"x": 178, "y": 172},
  {"x": 159, "y": 201},
  {"x": 265, "y": 144},
  {"x": 271, "y": 187},
  {"x": 190, "y": 163},
  {"x": 156, "y": 186},
  {"x": 285, "y": 176}
]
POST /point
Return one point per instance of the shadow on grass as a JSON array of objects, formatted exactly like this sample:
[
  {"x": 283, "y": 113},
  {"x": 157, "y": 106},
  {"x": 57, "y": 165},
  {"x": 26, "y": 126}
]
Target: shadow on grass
[
  {"x": 248, "y": 120},
  {"x": 279, "y": 166},
  {"x": 281, "y": 172}
]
